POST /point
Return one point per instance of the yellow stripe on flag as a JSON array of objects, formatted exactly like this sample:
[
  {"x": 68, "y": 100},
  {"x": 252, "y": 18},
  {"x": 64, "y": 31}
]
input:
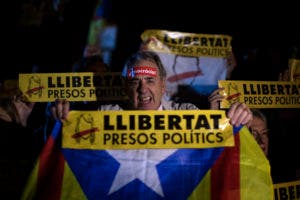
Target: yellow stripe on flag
[
  {"x": 71, "y": 188},
  {"x": 256, "y": 182},
  {"x": 31, "y": 185},
  {"x": 202, "y": 191}
]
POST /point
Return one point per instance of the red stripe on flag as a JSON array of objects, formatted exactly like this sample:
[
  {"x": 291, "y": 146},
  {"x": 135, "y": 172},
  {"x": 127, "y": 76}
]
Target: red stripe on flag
[
  {"x": 51, "y": 170},
  {"x": 225, "y": 174}
]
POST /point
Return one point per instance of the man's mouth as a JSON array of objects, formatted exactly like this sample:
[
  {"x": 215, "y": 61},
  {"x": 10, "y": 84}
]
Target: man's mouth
[{"x": 144, "y": 100}]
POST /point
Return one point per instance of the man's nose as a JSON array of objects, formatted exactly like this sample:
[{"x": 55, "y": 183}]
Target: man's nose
[{"x": 142, "y": 86}]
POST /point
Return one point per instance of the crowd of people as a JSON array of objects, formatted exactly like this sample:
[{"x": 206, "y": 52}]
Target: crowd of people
[
  {"x": 145, "y": 92},
  {"x": 25, "y": 126}
]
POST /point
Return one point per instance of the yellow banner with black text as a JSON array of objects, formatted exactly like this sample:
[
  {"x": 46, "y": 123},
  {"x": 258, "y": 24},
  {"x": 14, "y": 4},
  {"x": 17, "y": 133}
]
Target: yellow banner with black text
[
  {"x": 77, "y": 86},
  {"x": 287, "y": 190},
  {"x": 261, "y": 94},
  {"x": 187, "y": 44},
  {"x": 151, "y": 129}
]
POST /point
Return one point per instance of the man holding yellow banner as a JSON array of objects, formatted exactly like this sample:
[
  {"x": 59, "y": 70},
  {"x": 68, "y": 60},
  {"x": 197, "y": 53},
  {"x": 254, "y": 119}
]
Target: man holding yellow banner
[
  {"x": 235, "y": 172},
  {"x": 145, "y": 82}
]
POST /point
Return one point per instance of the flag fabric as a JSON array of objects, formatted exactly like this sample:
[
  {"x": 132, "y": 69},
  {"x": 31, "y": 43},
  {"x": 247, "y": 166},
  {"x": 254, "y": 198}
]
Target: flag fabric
[
  {"x": 235, "y": 173},
  {"x": 102, "y": 34}
]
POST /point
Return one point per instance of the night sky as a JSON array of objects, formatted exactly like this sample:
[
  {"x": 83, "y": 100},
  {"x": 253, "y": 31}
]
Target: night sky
[{"x": 58, "y": 42}]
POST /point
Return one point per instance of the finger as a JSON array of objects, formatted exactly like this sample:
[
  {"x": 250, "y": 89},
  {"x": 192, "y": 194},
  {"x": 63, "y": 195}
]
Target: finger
[
  {"x": 243, "y": 117},
  {"x": 239, "y": 114},
  {"x": 59, "y": 108},
  {"x": 65, "y": 109},
  {"x": 54, "y": 112},
  {"x": 56, "y": 109},
  {"x": 215, "y": 102},
  {"x": 232, "y": 109},
  {"x": 248, "y": 117},
  {"x": 216, "y": 92},
  {"x": 217, "y": 98},
  {"x": 30, "y": 105}
]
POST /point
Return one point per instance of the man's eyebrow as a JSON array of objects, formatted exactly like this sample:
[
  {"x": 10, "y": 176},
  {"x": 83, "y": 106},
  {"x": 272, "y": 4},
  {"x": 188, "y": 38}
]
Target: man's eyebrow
[
  {"x": 149, "y": 77},
  {"x": 261, "y": 131},
  {"x": 133, "y": 79}
]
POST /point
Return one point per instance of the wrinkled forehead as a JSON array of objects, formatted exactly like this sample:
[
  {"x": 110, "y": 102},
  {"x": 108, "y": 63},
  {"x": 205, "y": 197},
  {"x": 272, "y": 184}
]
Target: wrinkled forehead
[
  {"x": 258, "y": 123},
  {"x": 142, "y": 68},
  {"x": 146, "y": 63}
]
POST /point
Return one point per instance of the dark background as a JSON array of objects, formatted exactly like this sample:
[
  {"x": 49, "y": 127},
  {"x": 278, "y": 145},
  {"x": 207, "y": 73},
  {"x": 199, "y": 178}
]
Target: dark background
[{"x": 58, "y": 41}]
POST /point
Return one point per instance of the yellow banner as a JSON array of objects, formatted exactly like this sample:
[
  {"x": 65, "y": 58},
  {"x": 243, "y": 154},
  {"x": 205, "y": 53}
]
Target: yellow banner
[
  {"x": 261, "y": 94},
  {"x": 287, "y": 191},
  {"x": 83, "y": 86},
  {"x": 188, "y": 44},
  {"x": 151, "y": 129}
]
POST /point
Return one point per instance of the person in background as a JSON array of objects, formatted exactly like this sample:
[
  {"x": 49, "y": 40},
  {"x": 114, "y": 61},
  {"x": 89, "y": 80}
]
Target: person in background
[
  {"x": 19, "y": 144},
  {"x": 259, "y": 129}
]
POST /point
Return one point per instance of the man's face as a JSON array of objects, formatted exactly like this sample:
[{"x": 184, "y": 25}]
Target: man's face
[{"x": 145, "y": 90}]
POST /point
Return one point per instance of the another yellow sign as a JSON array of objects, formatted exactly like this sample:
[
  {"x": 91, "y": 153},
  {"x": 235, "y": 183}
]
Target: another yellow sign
[
  {"x": 83, "y": 86},
  {"x": 261, "y": 94}
]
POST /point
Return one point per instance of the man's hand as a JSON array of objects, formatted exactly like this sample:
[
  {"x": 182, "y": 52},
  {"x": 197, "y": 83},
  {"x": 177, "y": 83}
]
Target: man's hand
[
  {"x": 239, "y": 114},
  {"x": 60, "y": 110},
  {"x": 215, "y": 98},
  {"x": 23, "y": 109}
]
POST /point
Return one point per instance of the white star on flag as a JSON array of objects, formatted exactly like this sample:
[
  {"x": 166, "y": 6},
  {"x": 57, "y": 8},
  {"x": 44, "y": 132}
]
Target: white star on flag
[{"x": 139, "y": 164}]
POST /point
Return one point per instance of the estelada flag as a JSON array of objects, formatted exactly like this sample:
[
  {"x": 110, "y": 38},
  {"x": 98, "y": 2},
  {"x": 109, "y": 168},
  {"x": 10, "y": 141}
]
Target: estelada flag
[{"x": 241, "y": 172}]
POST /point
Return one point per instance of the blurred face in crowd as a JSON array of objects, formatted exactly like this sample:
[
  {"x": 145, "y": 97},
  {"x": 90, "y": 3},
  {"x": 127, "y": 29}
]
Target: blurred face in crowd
[
  {"x": 145, "y": 87},
  {"x": 258, "y": 128}
]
